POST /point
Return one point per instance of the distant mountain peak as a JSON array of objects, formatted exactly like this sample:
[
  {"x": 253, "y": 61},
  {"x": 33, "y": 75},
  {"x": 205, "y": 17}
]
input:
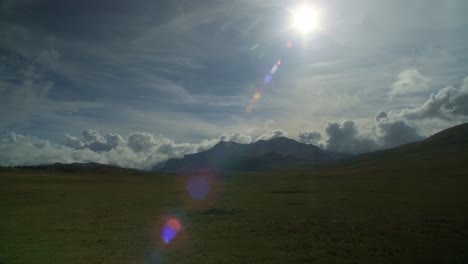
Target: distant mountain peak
[{"x": 279, "y": 151}]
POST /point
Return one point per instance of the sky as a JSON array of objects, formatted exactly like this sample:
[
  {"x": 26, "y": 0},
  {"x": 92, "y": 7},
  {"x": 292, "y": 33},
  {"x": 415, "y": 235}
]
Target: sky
[{"x": 133, "y": 83}]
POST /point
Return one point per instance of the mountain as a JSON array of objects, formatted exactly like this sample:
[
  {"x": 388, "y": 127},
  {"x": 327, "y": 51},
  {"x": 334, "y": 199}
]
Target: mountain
[
  {"x": 263, "y": 154},
  {"x": 448, "y": 147}
]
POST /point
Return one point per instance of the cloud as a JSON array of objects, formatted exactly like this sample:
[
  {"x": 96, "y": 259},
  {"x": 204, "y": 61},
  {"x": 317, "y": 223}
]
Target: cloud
[
  {"x": 346, "y": 137},
  {"x": 409, "y": 82},
  {"x": 143, "y": 150},
  {"x": 114, "y": 140},
  {"x": 396, "y": 133},
  {"x": 141, "y": 142},
  {"x": 18, "y": 150},
  {"x": 381, "y": 115},
  {"x": 160, "y": 60},
  {"x": 309, "y": 137},
  {"x": 447, "y": 103},
  {"x": 464, "y": 87},
  {"x": 236, "y": 137},
  {"x": 139, "y": 150},
  {"x": 72, "y": 142},
  {"x": 355, "y": 138},
  {"x": 92, "y": 136},
  {"x": 400, "y": 127},
  {"x": 272, "y": 133}
]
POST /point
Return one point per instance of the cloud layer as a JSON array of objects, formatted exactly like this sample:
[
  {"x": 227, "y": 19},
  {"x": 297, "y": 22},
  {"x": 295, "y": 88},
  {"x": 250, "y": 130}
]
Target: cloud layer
[
  {"x": 138, "y": 150},
  {"x": 143, "y": 150},
  {"x": 447, "y": 103},
  {"x": 448, "y": 106},
  {"x": 188, "y": 69}
]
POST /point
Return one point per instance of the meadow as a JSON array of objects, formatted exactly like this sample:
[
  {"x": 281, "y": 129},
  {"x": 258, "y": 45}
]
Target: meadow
[{"x": 368, "y": 213}]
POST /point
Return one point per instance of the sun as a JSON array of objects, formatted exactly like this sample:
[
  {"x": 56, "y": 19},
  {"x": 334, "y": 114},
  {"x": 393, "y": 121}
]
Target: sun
[{"x": 305, "y": 19}]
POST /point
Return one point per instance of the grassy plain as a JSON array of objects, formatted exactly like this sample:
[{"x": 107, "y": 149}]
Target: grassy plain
[{"x": 399, "y": 212}]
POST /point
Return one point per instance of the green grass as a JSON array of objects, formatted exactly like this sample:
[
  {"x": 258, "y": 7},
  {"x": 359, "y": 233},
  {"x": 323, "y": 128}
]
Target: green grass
[{"x": 372, "y": 213}]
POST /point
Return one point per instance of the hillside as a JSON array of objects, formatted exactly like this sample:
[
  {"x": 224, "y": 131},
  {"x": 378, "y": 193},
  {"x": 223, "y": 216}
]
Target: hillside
[{"x": 447, "y": 147}]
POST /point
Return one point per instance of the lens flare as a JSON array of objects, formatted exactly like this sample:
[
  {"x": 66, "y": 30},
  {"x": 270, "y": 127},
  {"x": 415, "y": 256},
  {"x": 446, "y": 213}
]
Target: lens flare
[
  {"x": 170, "y": 230},
  {"x": 198, "y": 187},
  {"x": 200, "y": 184},
  {"x": 168, "y": 234},
  {"x": 274, "y": 69},
  {"x": 257, "y": 96},
  {"x": 259, "y": 92},
  {"x": 304, "y": 19},
  {"x": 267, "y": 79}
]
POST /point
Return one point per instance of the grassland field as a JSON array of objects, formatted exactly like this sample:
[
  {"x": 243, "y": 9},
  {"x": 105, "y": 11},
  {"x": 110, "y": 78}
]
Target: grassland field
[{"x": 343, "y": 214}]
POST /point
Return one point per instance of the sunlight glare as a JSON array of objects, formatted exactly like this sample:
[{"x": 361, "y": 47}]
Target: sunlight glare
[{"x": 305, "y": 19}]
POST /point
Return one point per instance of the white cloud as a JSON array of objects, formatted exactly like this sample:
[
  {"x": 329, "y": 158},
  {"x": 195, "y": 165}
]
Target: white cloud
[
  {"x": 448, "y": 107},
  {"x": 272, "y": 133},
  {"x": 141, "y": 142},
  {"x": 72, "y": 142},
  {"x": 409, "y": 82},
  {"x": 25, "y": 150},
  {"x": 138, "y": 150},
  {"x": 447, "y": 103},
  {"x": 236, "y": 137},
  {"x": 464, "y": 87},
  {"x": 355, "y": 137}
]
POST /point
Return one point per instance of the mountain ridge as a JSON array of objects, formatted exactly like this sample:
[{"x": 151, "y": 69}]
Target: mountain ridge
[{"x": 262, "y": 154}]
